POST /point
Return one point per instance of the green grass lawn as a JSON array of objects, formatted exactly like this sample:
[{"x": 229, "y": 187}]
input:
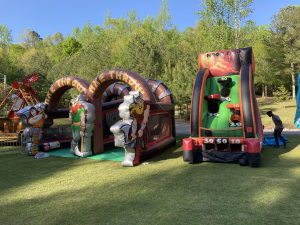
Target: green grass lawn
[
  {"x": 61, "y": 121},
  {"x": 286, "y": 114},
  {"x": 10, "y": 149},
  {"x": 57, "y": 190}
]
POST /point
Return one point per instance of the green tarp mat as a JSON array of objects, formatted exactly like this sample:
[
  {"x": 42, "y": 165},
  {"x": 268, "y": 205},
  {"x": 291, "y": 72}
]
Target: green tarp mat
[{"x": 113, "y": 155}]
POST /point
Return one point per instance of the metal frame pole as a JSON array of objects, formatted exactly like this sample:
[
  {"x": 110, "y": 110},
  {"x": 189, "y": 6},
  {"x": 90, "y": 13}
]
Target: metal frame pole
[{"x": 4, "y": 85}]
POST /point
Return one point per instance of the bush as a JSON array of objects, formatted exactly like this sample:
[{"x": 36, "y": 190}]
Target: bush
[{"x": 282, "y": 94}]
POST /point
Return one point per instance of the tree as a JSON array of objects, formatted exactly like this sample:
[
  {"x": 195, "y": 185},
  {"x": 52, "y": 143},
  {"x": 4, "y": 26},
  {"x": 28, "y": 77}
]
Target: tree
[
  {"x": 224, "y": 20},
  {"x": 57, "y": 37},
  {"x": 216, "y": 18},
  {"x": 241, "y": 11},
  {"x": 15, "y": 55},
  {"x": 48, "y": 41},
  {"x": 282, "y": 94},
  {"x": 143, "y": 55},
  {"x": 8, "y": 66},
  {"x": 85, "y": 35},
  {"x": 180, "y": 80},
  {"x": 40, "y": 63},
  {"x": 28, "y": 37},
  {"x": 286, "y": 30},
  {"x": 57, "y": 53},
  {"x": 70, "y": 46},
  {"x": 163, "y": 19},
  {"x": 5, "y": 35},
  {"x": 265, "y": 70}
]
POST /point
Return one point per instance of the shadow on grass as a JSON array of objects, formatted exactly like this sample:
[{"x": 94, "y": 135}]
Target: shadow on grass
[
  {"x": 288, "y": 106},
  {"x": 58, "y": 190},
  {"x": 173, "y": 152},
  {"x": 264, "y": 111},
  {"x": 263, "y": 102}
]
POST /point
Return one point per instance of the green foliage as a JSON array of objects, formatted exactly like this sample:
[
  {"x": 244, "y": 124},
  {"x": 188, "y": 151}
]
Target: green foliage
[
  {"x": 180, "y": 79},
  {"x": 286, "y": 40},
  {"x": 163, "y": 20},
  {"x": 154, "y": 48},
  {"x": 222, "y": 20},
  {"x": 5, "y": 35},
  {"x": 143, "y": 55},
  {"x": 57, "y": 53},
  {"x": 282, "y": 94},
  {"x": 70, "y": 46},
  {"x": 7, "y": 87},
  {"x": 57, "y": 37},
  {"x": 40, "y": 64},
  {"x": 9, "y": 64},
  {"x": 29, "y": 38}
]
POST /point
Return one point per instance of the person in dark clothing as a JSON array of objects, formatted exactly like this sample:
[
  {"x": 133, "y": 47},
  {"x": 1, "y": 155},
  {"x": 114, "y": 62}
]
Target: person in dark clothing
[{"x": 278, "y": 129}]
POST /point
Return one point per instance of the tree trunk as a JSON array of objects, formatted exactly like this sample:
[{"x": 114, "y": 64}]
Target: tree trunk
[
  {"x": 293, "y": 81},
  {"x": 292, "y": 66},
  {"x": 180, "y": 111},
  {"x": 262, "y": 91},
  {"x": 266, "y": 90},
  {"x": 222, "y": 31},
  {"x": 236, "y": 34},
  {"x": 239, "y": 27}
]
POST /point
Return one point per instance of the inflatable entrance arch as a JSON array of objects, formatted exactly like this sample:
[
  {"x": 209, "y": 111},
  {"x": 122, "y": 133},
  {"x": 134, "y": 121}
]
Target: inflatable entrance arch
[{"x": 57, "y": 90}]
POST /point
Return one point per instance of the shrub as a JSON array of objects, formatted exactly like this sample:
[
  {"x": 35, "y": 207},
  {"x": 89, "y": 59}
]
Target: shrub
[{"x": 282, "y": 94}]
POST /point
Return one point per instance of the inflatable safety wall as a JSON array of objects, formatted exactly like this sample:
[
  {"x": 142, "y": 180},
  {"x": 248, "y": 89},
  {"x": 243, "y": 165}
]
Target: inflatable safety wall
[{"x": 225, "y": 120}]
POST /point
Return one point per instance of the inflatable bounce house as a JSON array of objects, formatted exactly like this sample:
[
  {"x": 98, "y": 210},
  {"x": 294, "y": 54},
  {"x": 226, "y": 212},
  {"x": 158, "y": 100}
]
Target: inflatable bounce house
[
  {"x": 105, "y": 114},
  {"x": 225, "y": 120}
]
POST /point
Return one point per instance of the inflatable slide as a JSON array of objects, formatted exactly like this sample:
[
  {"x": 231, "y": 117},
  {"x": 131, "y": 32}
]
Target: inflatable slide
[{"x": 225, "y": 120}]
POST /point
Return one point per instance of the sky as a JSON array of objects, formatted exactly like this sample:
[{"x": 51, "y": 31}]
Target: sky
[{"x": 48, "y": 17}]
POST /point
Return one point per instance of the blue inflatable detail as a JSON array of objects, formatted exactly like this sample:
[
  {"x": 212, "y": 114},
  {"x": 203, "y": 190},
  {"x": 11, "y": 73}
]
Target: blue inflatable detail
[
  {"x": 297, "y": 115},
  {"x": 271, "y": 140}
]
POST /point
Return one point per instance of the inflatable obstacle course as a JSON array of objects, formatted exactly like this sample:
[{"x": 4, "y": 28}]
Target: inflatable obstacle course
[
  {"x": 160, "y": 116},
  {"x": 225, "y": 120}
]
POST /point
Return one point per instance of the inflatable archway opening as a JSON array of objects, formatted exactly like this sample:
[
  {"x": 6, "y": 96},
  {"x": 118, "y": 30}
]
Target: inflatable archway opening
[
  {"x": 161, "y": 120},
  {"x": 225, "y": 120}
]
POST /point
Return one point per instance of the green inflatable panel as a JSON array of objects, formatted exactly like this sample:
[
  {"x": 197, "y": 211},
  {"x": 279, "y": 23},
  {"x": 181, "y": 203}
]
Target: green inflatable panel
[{"x": 222, "y": 121}]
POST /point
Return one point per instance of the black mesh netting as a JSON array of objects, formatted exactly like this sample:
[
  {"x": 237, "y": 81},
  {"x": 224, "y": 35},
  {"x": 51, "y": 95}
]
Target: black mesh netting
[
  {"x": 159, "y": 127},
  {"x": 57, "y": 132}
]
